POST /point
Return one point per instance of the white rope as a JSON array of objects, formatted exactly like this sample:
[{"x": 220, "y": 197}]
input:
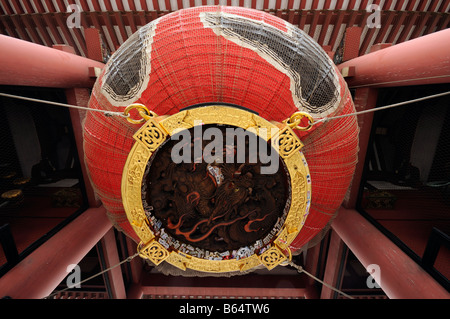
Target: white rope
[
  {"x": 323, "y": 120},
  {"x": 107, "y": 113},
  {"x": 93, "y": 276},
  {"x": 301, "y": 270},
  {"x": 326, "y": 119}
]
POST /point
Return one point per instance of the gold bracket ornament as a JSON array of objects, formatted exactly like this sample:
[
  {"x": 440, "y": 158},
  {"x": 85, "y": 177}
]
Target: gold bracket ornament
[
  {"x": 295, "y": 119},
  {"x": 154, "y": 131}
]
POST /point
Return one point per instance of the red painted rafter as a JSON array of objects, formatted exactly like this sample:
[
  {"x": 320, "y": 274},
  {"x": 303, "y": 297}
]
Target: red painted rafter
[
  {"x": 84, "y": 5},
  {"x": 18, "y": 24},
  {"x": 362, "y": 23},
  {"x": 302, "y": 20},
  {"x": 9, "y": 27},
  {"x": 325, "y": 25},
  {"x": 120, "y": 23},
  {"x": 120, "y": 5},
  {"x": 7, "y": 7},
  {"x": 28, "y": 7},
  {"x": 445, "y": 22},
  {"x": 109, "y": 26},
  {"x": 418, "y": 29},
  {"x": 31, "y": 27},
  {"x": 41, "y": 27},
  {"x": 444, "y": 6},
  {"x": 363, "y": 4},
  {"x": 61, "y": 21},
  {"x": 49, "y": 22},
  {"x": 17, "y": 7},
  {"x": 398, "y": 22},
  {"x": 407, "y": 29},
  {"x": 339, "y": 5},
  {"x": 386, "y": 23},
  {"x": 38, "y": 21},
  {"x": 50, "y": 6},
  {"x": 130, "y": 19},
  {"x": 351, "y": 5},
  {"x": 387, "y": 4},
  {"x": 291, "y": 16},
  {"x": 290, "y": 4},
  {"x": 96, "y": 23},
  {"x": 422, "y": 5},
  {"x": 336, "y": 28},
  {"x": 410, "y": 5},
  {"x": 398, "y": 5}
]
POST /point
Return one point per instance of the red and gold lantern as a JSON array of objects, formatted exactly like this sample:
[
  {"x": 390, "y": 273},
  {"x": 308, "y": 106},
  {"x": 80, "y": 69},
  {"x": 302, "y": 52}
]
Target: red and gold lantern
[{"x": 224, "y": 67}]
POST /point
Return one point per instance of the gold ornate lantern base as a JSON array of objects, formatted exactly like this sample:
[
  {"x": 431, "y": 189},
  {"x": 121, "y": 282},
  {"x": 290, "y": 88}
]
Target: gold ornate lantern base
[{"x": 269, "y": 251}]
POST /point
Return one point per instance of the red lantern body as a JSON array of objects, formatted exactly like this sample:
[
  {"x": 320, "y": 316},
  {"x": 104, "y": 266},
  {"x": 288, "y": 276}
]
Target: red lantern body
[{"x": 224, "y": 55}]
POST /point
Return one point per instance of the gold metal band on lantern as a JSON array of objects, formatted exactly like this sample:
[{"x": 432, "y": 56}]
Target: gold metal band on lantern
[{"x": 157, "y": 129}]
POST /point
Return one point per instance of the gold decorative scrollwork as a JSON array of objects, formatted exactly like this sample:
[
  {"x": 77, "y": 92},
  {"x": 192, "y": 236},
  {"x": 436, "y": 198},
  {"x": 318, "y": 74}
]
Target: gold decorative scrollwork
[
  {"x": 157, "y": 129},
  {"x": 151, "y": 135},
  {"x": 287, "y": 142},
  {"x": 154, "y": 251},
  {"x": 272, "y": 257}
]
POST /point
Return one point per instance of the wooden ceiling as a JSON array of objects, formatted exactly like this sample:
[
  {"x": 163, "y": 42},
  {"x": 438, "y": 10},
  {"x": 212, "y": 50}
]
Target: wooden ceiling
[{"x": 44, "y": 21}]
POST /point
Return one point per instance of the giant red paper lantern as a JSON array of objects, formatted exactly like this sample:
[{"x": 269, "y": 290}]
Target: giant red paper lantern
[{"x": 227, "y": 55}]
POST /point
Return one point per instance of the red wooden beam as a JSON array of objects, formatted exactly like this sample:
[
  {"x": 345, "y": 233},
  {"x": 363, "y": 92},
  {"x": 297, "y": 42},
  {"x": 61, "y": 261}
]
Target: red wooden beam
[
  {"x": 351, "y": 40},
  {"x": 84, "y": 5},
  {"x": 93, "y": 44},
  {"x": 30, "y": 26},
  {"x": 407, "y": 29},
  {"x": 120, "y": 23},
  {"x": 351, "y": 5},
  {"x": 388, "y": 3},
  {"x": 432, "y": 26},
  {"x": 37, "y": 18},
  {"x": 96, "y": 6},
  {"x": 444, "y": 6},
  {"x": 313, "y": 25},
  {"x": 398, "y": 22},
  {"x": 364, "y": 99},
  {"x": 335, "y": 257},
  {"x": 325, "y": 25},
  {"x": 80, "y": 97},
  {"x": 110, "y": 28},
  {"x": 421, "y": 6},
  {"x": 7, "y": 23},
  {"x": 445, "y": 22},
  {"x": 18, "y": 24},
  {"x": 50, "y": 23},
  {"x": 302, "y": 20},
  {"x": 423, "y": 60},
  {"x": 386, "y": 23},
  {"x": 410, "y": 5},
  {"x": 289, "y": 6},
  {"x": 108, "y": 5},
  {"x": 50, "y": 6},
  {"x": 111, "y": 255},
  {"x": 399, "y": 5},
  {"x": 336, "y": 28},
  {"x": 28, "y": 64},
  {"x": 130, "y": 19},
  {"x": 400, "y": 276},
  {"x": 28, "y": 7},
  {"x": 132, "y": 5},
  {"x": 17, "y": 7},
  {"x": 42, "y": 271},
  {"x": 420, "y": 26},
  {"x": 61, "y": 21},
  {"x": 7, "y": 6}
]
